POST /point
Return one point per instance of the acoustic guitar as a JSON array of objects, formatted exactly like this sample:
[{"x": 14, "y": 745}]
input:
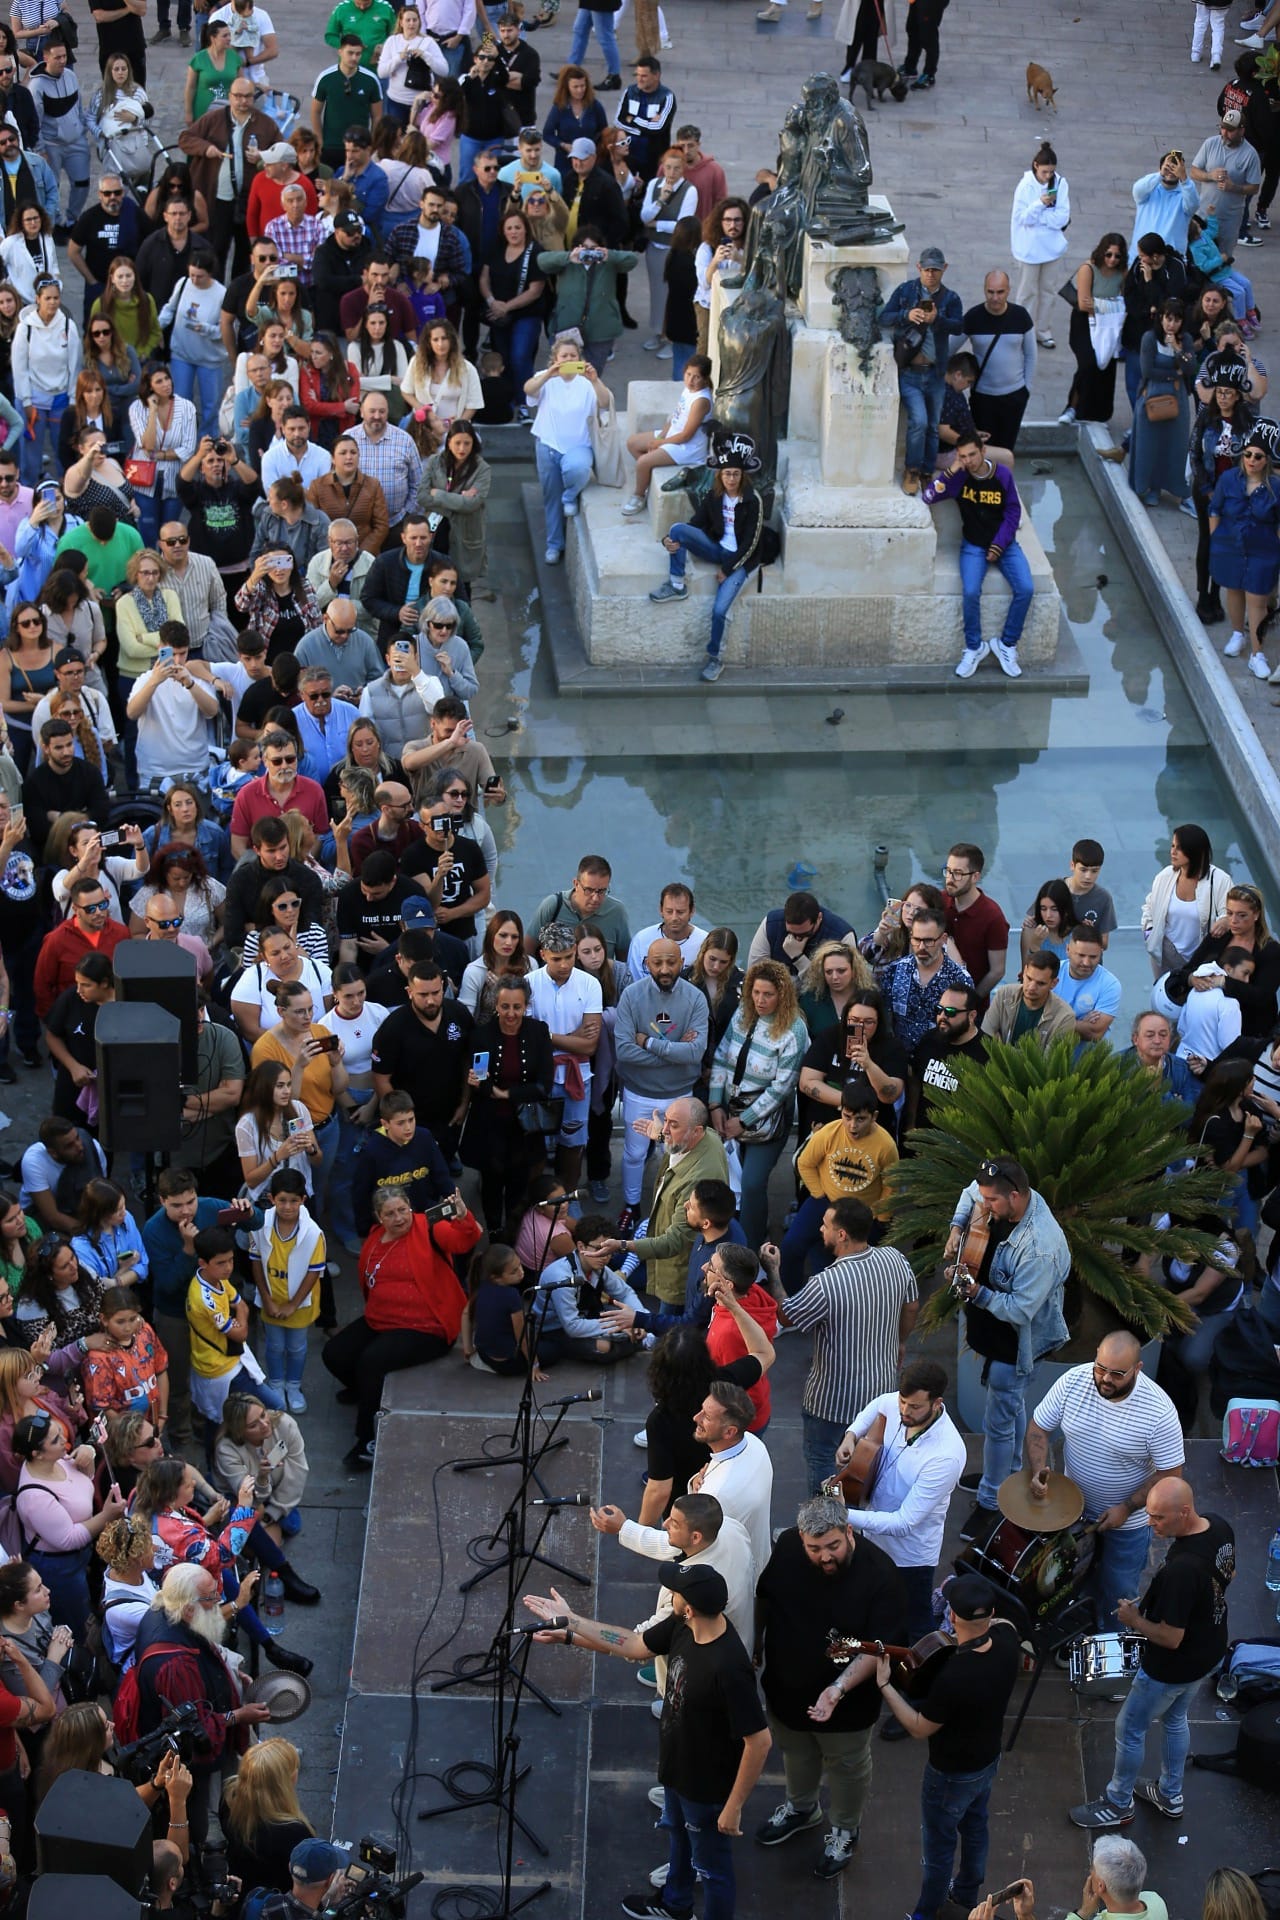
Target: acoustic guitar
[
  {"x": 973, "y": 1251},
  {"x": 919, "y": 1665},
  {"x": 854, "y": 1483}
]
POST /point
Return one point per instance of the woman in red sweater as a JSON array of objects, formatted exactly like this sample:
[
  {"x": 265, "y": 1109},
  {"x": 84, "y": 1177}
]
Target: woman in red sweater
[
  {"x": 413, "y": 1304},
  {"x": 329, "y": 390}
]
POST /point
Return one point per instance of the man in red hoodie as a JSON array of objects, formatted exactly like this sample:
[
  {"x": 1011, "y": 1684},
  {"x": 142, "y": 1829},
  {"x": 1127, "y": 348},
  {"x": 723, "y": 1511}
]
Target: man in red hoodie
[
  {"x": 701, "y": 170},
  {"x": 88, "y": 928},
  {"x": 740, "y": 1268}
]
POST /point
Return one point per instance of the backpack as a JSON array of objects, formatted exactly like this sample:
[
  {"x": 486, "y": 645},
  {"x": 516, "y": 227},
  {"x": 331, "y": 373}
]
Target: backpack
[
  {"x": 92, "y": 1668},
  {"x": 13, "y": 1539},
  {"x": 1251, "y": 1433},
  {"x": 1250, "y": 1673},
  {"x": 126, "y": 1714}
]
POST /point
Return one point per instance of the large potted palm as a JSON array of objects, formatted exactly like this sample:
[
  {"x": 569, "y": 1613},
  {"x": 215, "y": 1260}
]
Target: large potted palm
[{"x": 1108, "y": 1154}]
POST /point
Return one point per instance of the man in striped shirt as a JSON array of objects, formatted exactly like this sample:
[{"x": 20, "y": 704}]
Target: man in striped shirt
[
  {"x": 1120, "y": 1434},
  {"x": 860, "y": 1309}
]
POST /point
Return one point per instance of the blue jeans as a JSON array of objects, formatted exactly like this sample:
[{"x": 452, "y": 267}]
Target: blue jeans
[
  {"x": 154, "y": 510},
  {"x": 759, "y": 1158},
  {"x": 31, "y": 448},
  {"x": 517, "y": 341},
  {"x": 819, "y": 1440},
  {"x": 284, "y": 1353},
  {"x": 697, "y": 1851},
  {"x": 1004, "y": 1427},
  {"x": 188, "y": 379},
  {"x": 605, "y": 34},
  {"x": 1132, "y": 376},
  {"x": 351, "y": 1142},
  {"x": 1149, "y": 1700},
  {"x": 468, "y": 152},
  {"x": 1121, "y": 1556},
  {"x": 562, "y": 477},
  {"x": 66, "y": 1576},
  {"x": 800, "y": 1239},
  {"x": 681, "y": 354},
  {"x": 973, "y": 572},
  {"x": 921, "y": 390},
  {"x": 693, "y": 541},
  {"x": 953, "y": 1806}
]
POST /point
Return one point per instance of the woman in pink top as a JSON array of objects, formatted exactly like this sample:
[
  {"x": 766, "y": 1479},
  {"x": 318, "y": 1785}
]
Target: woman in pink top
[
  {"x": 55, "y": 1506},
  {"x": 438, "y": 115}
]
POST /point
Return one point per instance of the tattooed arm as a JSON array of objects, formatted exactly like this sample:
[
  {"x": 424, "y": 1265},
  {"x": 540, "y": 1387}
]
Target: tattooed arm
[{"x": 572, "y": 1630}]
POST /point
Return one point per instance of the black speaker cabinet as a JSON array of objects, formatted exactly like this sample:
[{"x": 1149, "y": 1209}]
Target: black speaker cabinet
[
  {"x": 160, "y": 974},
  {"x": 139, "y": 1078},
  {"x": 89, "y": 1823},
  {"x": 56, "y": 1895}
]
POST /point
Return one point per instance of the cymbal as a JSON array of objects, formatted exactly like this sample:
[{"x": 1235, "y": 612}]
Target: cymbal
[{"x": 1061, "y": 1507}]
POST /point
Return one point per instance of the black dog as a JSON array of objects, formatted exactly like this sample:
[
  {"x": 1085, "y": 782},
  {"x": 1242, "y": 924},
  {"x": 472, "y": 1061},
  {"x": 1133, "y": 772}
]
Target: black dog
[{"x": 878, "y": 77}]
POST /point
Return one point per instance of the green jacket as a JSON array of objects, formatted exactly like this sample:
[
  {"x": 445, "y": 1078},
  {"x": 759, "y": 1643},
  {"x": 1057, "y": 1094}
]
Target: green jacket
[
  {"x": 665, "y": 1248},
  {"x": 371, "y": 26},
  {"x": 587, "y": 297},
  {"x": 465, "y": 518}
]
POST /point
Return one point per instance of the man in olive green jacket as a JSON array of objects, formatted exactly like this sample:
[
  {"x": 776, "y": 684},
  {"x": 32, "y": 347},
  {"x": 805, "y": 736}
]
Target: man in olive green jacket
[
  {"x": 1029, "y": 1005},
  {"x": 693, "y": 1153}
]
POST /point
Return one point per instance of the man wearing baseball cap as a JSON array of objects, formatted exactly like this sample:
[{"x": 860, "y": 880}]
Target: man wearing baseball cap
[
  {"x": 919, "y": 318},
  {"x": 314, "y": 1867},
  {"x": 961, "y": 1715},
  {"x": 713, "y": 1739},
  {"x": 1226, "y": 170}
]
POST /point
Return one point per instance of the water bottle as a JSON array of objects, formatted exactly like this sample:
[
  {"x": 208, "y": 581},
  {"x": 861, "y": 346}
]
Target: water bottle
[
  {"x": 272, "y": 1595},
  {"x": 1273, "y": 1563}
]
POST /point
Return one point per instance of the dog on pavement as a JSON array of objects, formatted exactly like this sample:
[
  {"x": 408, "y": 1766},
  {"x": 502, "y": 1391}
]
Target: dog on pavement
[
  {"x": 1040, "y": 87},
  {"x": 878, "y": 77}
]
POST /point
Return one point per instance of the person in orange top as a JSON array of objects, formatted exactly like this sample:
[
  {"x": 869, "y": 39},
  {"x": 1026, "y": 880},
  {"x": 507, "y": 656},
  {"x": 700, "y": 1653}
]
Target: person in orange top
[
  {"x": 413, "y": 1303},
  {"x": 132, "y": 1376},
  {"x": 736, "y": 1270}
]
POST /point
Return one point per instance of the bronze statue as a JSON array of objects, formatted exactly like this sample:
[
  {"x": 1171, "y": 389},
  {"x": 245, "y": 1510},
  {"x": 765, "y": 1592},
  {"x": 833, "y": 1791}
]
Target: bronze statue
[
  {"x": 856, "y": 293},
  {"x": 754, "y": 375},
  {"x": 836, "y": 173},
  {"x": 775, "y": 234}
]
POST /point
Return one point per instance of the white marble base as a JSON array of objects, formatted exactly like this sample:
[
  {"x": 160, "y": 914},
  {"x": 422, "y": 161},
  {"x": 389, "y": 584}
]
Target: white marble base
[{"x": 890, "y": 260}]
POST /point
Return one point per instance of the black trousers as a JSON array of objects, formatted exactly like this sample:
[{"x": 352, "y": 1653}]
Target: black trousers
[
  {"x": 923, "y": 21},
  {"x": 225, "y": 231},
  {"x": 866, "y": 34},
  {"x": 361, "y": 1359},
  {"x": 999, "y": 415}
]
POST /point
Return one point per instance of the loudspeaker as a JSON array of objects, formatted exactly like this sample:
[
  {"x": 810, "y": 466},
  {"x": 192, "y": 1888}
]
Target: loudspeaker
[
  {"x": 90, "y": 1823},
  {"x": 139, "y": 1078},
  {"x": 160, "y": 974},
  {"x": 55, "y": 1895}
]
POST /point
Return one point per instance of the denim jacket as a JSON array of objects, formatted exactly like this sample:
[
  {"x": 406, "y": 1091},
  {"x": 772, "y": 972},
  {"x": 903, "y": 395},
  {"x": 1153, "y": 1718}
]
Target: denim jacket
[
  {"x": 950, "y": 318},
  {"x": 1028, "y": 1273}
]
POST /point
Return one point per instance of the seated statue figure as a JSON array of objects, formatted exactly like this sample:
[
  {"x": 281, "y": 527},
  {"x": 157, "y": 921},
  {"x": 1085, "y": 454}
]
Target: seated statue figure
[{"x": 836, "y": 175}]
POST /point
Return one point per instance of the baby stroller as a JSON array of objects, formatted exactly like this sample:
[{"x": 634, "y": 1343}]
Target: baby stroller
[
  {"x": 283, "y": 108},
  {"x": 130, "y": 145}
]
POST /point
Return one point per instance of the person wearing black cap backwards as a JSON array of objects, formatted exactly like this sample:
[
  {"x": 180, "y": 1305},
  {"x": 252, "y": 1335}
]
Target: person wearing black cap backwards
[
  {"x": 962, "y": 1718},
  {"x": 712, "y": 1739},
  {"x": 729, "y": 531}
]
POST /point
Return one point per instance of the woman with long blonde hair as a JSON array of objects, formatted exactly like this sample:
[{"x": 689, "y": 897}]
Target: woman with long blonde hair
[
  {"x": 836, "y": 974},
  {"x": 261, "y": 1816},
  {"x": 441, "y": 384},
  {"x": 753, "y": 1080},
  {"x": 1230, "y": 1894}
]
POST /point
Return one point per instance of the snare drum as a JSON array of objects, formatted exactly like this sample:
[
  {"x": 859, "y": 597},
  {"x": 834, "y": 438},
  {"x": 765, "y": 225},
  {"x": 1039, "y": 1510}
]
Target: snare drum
[
  {"x": 1040, "y": 1569},
  {"x": 1105, "y": 1663}
]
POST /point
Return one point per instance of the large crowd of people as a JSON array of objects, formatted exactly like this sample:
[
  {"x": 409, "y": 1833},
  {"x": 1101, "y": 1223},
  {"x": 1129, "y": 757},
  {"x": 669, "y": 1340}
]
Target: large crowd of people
[{"x": 243, "y": 553}]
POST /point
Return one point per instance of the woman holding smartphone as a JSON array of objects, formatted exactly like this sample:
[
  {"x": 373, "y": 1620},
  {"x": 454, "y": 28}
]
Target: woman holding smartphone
[
  {"x": 313, "y": 1056},
  {"x": 274, "y": 1129}
]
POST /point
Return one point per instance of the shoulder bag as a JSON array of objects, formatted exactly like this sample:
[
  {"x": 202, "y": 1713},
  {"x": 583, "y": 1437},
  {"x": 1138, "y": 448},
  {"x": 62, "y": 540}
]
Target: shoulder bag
[
  {"x": 740, "y": 1101},
  {"x": 608, "y": 450}
]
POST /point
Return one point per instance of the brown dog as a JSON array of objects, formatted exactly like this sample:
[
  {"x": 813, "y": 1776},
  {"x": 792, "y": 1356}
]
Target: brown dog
[{"x": 1040, "y": 86}]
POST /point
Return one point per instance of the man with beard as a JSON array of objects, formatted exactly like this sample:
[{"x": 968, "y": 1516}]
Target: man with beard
[
  {"x": 423, "y": 1049},
  {"x": 659, "y": 1037},
  {"x": 955, "y": 1036},
  {"x": 179, "y": 1663},
  {"x": 1120, "y": 1434},
  {"x": 822, "y": 1589}
]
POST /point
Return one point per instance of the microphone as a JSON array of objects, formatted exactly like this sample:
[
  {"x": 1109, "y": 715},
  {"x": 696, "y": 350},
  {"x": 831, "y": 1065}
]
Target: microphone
[
  {"x": 558, "y": 1620},
  {"x": 574, "y": 1399},
  {"x": 565, "y": 1499}
]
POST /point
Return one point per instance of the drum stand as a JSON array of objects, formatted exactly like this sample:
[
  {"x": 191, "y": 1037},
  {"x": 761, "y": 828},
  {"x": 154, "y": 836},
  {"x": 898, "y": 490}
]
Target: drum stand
[{"x": 1075, "y": 1616}]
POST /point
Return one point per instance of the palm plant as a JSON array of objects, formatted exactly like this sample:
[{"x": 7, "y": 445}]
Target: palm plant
[{"x": 1100, "y": 1145}]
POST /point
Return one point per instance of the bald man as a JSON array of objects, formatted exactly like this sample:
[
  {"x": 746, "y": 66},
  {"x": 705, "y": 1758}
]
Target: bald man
[
  {"x": 1120, "y": 1434},
  {"x": 1182, "y": 1623},
  {"x": 660, "y": 1036}
]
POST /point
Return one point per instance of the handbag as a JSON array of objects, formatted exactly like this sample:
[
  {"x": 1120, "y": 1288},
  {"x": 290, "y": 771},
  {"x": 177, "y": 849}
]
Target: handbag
[
  {"x": 907, "y": 342},
  {"x": 541, "y": 1116},
  {"x": 739, "y": 1101},
  {"x": 1161, "y": 406},
  {"x": 140, "y": 471},
  {"x": 1067, "y": 292},
  {"x": 608, "y": 448},
  {"x": 417, "y": 74}
]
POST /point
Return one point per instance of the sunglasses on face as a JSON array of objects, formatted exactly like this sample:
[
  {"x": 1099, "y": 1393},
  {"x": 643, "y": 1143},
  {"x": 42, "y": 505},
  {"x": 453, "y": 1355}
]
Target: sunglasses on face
[
  {"x": 95, "y": 906},
  {"x": 282, "y": 760},
  {"x": 315, "y": 693},
  {"x": 174, "y": 540},
  {"x": 166, "y": 924}
]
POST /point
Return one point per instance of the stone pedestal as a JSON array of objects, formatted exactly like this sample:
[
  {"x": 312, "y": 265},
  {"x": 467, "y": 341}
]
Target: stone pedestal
[{"x": 867, "y": 577}]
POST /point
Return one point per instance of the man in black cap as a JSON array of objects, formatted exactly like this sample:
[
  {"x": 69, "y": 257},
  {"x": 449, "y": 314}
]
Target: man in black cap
[
  {"x": 712, "y": 1739},
  {"x": 823, "y": 1590},
  {"x": 962, "y": 1717}
]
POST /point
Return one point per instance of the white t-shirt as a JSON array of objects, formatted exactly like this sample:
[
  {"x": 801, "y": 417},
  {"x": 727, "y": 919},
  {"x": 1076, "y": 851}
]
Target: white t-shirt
[
  {"x": 563, "y": 418},
  {"x": 249, "y": 1140},
  {"x": 638, "y": 951},
  {"x": 112, "y": 872},
  {"x": 278, "y": 463},
  {"x": 741, "y": 1479},
  {"x": 251, "y": 990},
  {"x": 173, "y": 735},
  {"x": 40, "y": 1172},
  {"x": 129, "y": 1607},
  {"x": 248, "y": 31},
  {"x": 913, "y": 1485},
  {"x": 357, "y": 1037},
  {"x": 427, "y": 242},
  {"x": 1110, "y": 1446},
  {"x": 565, "y": 1008},
  {"x": 729, "y": 538}
]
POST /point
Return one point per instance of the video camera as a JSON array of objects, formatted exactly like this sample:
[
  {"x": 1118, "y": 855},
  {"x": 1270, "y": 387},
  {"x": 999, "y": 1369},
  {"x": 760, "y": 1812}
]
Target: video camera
[
  {"x": 179, "y": 1732},
  {"x": 373, "y": 1888}
]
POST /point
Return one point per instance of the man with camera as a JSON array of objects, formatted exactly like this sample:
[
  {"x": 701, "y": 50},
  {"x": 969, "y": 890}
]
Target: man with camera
[
  {"x": 919, "y": 317},
  {"x": 451, "y": 870},
  {"x": 318, "y": 1877}
]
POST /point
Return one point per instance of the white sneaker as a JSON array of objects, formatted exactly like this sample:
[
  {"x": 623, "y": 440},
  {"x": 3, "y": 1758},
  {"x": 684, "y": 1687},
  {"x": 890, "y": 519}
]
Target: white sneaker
[
  {"x": 1253, "y": 21},
  {"x": 640, "y": 1439},
  {"x": 969, "y": 661},
  {"x": 1235, "y": 645},
  {"x": 1067, "y": 417},
  {"x": 652, "y": 344},
  {"x": 664, "y": 351},
  {"x": 634, "y": 505},
  {"x": 295, "y": 1399},
  {"x": 1045, "y": 340},
  {"x": 571, "y": 509},
  {"x": 1254, "y": 40},
  {"x": 658, "y": 1878},
  {"x": 1259, "y": 666},
  {"x": 657, "y": 1798},
  {"x": 1007, "y": 658}
]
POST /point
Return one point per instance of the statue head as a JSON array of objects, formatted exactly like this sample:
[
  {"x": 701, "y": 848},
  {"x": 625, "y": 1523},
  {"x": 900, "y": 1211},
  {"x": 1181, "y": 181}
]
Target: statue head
[{"x": 821, "y": 93}]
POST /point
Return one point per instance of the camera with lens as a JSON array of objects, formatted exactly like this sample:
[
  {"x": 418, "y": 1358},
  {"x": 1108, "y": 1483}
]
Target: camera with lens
[
  {"x": 222, "y": 448},
  {"x": 372, "y": 1887},
  {"x": 179, "y": 1732}
]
